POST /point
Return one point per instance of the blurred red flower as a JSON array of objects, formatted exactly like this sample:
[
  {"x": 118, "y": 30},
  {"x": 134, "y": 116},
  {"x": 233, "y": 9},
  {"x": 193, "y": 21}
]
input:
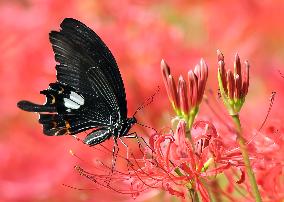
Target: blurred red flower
[{"x": 139, "y": 34}]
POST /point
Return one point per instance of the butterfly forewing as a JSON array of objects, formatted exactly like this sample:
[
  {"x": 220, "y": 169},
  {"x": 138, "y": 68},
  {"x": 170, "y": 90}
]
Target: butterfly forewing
[{"x": 101, "y": 57}]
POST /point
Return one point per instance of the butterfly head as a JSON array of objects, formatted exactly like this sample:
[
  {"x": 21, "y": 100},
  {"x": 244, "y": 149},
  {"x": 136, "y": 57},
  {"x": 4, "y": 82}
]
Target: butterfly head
[{"x": 131, "y": 121}]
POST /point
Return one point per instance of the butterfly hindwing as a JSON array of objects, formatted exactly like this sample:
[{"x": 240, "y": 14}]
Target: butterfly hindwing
[{"x": 58, "y": 124}]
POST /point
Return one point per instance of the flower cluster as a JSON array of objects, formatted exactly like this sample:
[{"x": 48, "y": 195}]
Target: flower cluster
[
  {"x": 185, "y": 99},
  {"x": 169, "y": 163},
  {"x": 233, "y": 86},
  {"x": 192, "y": 165}
]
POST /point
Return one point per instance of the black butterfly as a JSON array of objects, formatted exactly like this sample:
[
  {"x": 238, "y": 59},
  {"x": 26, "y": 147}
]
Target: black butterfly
[{"x": 89, "y": 91}]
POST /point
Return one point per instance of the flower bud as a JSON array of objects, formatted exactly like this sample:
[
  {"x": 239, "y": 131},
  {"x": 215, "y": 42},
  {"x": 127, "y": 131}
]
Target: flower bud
[{"x": 233, "y": 86}]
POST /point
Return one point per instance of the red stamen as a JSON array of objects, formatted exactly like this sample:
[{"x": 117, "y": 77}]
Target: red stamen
[
  {"x": 238, "y": 87},
  {"x": 246, "y": 79},
  {"x": 230, "y": 84},
  {"x": 173, "y": 91},
  {"x": 220, "y": 55},
  {"x": 194, "y": 87},
  {"x": 222, "y": 71},
  {"x": 237, "y": 67},
  {"x": 182, "y": 93}
]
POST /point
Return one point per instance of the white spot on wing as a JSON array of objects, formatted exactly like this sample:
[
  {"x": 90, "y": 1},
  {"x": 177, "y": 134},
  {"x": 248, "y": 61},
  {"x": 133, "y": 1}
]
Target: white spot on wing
[
  {"x": 70, "y": 104},
  {"x": 77, "y": 98}
]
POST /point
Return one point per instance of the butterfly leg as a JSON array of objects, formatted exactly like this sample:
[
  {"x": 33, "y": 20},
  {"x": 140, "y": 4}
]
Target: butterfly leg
[
  {"x": 114, "y": 154},
  {"x": 76, "y": 138},
  {"x": 127, "y": 148},
  {"x": 113, "y": 161},
  {"x": 134, "y": 135}
]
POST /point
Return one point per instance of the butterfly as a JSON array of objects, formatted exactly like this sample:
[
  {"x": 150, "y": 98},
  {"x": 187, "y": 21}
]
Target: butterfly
[{"x": 89, "y": 92}]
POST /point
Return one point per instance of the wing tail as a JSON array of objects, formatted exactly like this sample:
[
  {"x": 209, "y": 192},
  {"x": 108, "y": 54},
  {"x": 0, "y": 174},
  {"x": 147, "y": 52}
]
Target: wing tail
[{"x": 32, "y": 107}]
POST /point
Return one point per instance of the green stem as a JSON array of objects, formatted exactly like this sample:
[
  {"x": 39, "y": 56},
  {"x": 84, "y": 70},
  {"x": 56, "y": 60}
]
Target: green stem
[
  {"x": 194, "y": 195},
  {"x": 192, "y": 192},
  {"x": 190, "y": 119},
  {"x": 243, "y": 148},
  {"x": 188, "y": 135},
  {"x": 196, "y": 198},
  {"x": 192, "y": 114}
]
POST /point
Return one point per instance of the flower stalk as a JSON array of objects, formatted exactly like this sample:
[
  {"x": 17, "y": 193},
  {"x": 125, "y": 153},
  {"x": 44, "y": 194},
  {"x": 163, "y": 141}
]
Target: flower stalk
[
  {"x": 185, "y": 100},
  {"x": 234, "y": 88},
  {"x": 242, "y": 143}
]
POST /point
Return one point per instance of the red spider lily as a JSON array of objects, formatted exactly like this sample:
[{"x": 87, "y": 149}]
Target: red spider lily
[
  {"x": 182, "y": 166},
  {"x": 233, "y": 86},
  {"x": 170, "y": 87},
  {"x": 170, "y": 163},
  {"x": 184, "y": 98},
  {"x": 268, "y": 150},
  {"x": 233, "y": 92}
]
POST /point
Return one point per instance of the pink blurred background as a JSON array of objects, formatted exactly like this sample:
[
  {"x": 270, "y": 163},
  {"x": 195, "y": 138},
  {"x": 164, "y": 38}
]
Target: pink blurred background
[{"x": 140, "y": 33}]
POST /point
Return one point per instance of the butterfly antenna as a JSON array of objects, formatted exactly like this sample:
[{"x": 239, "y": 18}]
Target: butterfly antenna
[
  {"x": 80, "y": 189},
  {"x": 272, "y": 98},
  {"x": 147, "y": 102},
  {"x": 140, "y": 124}
]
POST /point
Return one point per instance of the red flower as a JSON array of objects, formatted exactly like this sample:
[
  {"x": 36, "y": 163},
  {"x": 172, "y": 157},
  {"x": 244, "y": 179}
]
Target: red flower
[
  {"x": 184, "y": 98},
  {"x": 169, "y": 163},
  {"x": 233, "y": 86}
]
